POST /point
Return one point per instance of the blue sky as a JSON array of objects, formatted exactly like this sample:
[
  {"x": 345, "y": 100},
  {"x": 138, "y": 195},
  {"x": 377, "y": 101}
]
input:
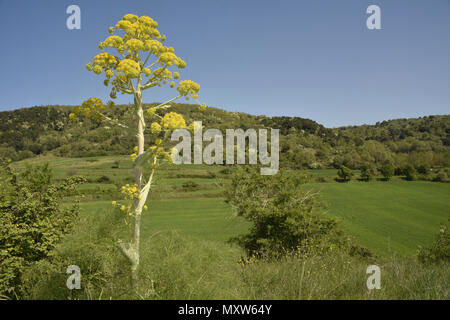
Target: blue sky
[{"x": 314, "y": 59}]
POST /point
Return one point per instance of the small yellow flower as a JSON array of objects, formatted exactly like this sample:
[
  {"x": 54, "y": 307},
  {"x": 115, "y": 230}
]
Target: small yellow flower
[
  {"x": 145, "y": 207},
  {"x": 114, "y": 203},
  {"x": 147, "y": 71}
]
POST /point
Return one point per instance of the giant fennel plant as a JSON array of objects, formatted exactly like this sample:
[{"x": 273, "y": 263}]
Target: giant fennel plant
[{"x": 139, "y": 61}]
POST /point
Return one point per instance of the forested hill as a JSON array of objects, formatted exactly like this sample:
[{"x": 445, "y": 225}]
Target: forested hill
[{"x": 304, "y": 143}]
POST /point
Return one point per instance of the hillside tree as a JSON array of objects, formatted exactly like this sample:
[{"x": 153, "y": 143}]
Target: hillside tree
[{"x": 345, "y": 173}]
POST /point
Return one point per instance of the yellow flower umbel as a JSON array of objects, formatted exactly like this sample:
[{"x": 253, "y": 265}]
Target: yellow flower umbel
[
  {"x": 151, "y": 112},
  {"x": 172, "y": 121},
  {"x": 91, "y": 108},
  {"x": 131, "y": 37},
  {"x": 130, "y": 68},
  {"x": 155, "y": 128},
  {"x": 130, "y": 192},
  {"x": 188, "y": 87}
]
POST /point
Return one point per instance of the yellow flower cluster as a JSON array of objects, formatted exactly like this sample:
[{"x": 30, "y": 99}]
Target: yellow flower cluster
[
  {"x": 147, "y": 71},
  {"x": 130, "y": 192},
  {"x": 172, "y": 121},
  {"x": 89, "y": 108},
  {"x": 130, "y": 68},
  {"x": 147, "y": 21},
  {"x": 130, "y": 17},
  {"x": 151, "y": 111},
  {"x": 160, "y": 151},
  {"x": 134, "y": 155},
  {"x": 155, "y": 128},
  {"x": 109, "y": 74},
  {"x": 143, "y": 27},
  {"x": 202, "y": 107},
  {"x": 134, "y": 45},
  {"x": 112, "y": 42},
  {"x": 123, "y": 25},
  {"x": 169, "y": 58},
  {"x": 153, "y": 46},
  {"x": 188, "y": 87},
  {"x": 162, "y": 74},
  {"x": 105, "y": 60}
]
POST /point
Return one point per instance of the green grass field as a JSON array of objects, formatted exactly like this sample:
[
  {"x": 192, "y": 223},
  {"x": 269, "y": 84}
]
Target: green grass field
[{"x": 387, "y": 217}]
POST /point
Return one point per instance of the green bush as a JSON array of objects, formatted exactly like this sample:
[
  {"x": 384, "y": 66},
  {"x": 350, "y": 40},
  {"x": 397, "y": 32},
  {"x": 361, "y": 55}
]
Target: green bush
[
  {"x": 439, "y": 250},
  {"x": 387, "y": 171},
  {"x": 32, "y": 221},
  {"x": 90, "y": 246},
  {"x": 441, "y": 177},
  {"x": 410, "y": 173},
  {"x": 367, "y": 172},
  {"x": 344, "y": 173},
  {"x": 283, "y": 214}
]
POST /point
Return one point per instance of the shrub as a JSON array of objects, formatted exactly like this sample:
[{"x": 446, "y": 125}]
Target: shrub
[
  {"x": 367, "y": 172},
  {"x": 439, "y": 250},
  {"x": 32, "y": 221},
  {"x": 282, "y": 212},
  {"x": 90, "y": 246},
  {"x": 387, "y": 171},
  {"x": 423, "y": 169},
  {"x": 410, "y": 173},
  {"x": 345, "y": 173},
  {"x": 441, "y": 177}
]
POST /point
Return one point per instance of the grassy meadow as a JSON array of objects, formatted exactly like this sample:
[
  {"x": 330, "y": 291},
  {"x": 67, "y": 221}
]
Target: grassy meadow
[{"x": 394, "y": 217}]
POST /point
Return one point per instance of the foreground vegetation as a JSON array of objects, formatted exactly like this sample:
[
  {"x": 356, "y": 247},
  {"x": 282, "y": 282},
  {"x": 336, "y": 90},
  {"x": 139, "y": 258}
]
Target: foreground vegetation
[{"x": 186, "y": 254}]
